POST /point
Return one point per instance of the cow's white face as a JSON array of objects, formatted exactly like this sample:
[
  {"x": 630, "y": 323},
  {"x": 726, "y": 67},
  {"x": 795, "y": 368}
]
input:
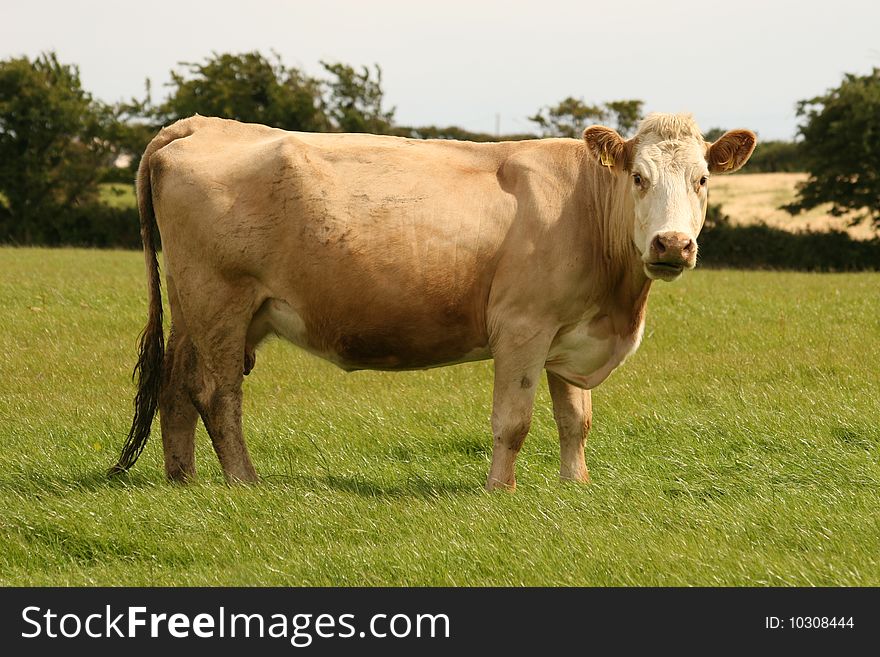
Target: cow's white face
[
  {"x": 668, "y": 182},
  {"x": 668, "y": 165}
]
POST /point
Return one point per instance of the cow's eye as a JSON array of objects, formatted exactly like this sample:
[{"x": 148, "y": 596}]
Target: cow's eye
[
  {"x": 703, "y": 181},
  {"x": 637, "y": 179}
]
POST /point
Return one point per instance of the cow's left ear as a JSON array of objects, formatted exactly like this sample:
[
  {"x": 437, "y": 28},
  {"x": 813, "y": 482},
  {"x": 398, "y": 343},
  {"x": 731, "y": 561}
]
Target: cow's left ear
[
  {"x": 731, "y": 151},
  {"x": 608, "y": 147}
]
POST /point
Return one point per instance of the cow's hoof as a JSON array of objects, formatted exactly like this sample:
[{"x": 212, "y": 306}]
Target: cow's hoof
[
  {"x": 493, "y": 485},
  {"x": 180, "y": 476},
  {"x": 576, "y": 478},
  {"x": 242, "y": 480}
]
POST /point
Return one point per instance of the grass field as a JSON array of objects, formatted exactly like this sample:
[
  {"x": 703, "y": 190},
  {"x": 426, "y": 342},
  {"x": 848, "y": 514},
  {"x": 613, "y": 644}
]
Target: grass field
[{"x": 739, "y": 446}]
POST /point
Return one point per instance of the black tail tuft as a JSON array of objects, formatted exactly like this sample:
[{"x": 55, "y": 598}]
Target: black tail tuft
[{"x": 148, "y": 372}]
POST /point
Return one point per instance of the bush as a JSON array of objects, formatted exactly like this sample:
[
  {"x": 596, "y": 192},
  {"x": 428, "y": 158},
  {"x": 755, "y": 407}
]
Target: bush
[
  {"x": 92, "y": 225},
  {"x": 103, "y": 226},
  {"x": 759, "y": 246},
  {"x": 776, "y": 156}
]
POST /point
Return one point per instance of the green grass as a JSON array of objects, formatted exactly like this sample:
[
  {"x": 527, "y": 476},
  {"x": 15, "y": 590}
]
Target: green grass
[{"x": 739, "y": 446}]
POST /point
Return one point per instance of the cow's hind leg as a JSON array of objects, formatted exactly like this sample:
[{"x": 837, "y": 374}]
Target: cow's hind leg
[
  {"x": 219, "y": 403},
  {"x": 220, "y": 408},
  {"x": 218, "y": 324},
  {"x": 573, "y": 410},
  {"x": 177, "y": 414}
]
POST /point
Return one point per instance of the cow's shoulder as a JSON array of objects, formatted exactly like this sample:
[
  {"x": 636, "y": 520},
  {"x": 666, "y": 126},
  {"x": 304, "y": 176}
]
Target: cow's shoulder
[
  {"x": 554, "y": 161},
  {"x": 541, "y": 174}
]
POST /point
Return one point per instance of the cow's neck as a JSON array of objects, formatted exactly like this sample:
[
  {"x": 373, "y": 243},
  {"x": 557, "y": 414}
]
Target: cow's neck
[
  {"x": 621, "y": 286},
  {"x": 626, "y": 302}
]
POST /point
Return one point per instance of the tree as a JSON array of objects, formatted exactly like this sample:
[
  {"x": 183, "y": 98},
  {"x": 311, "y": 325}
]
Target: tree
[
  {"x": 55, "y": 144},
  {"x": 256, "y": 89},
  {"x": 571, "y": 116},
  {"x": 354, "y": 99},
  {"x": 841, "y": 149},
  {"x": 568, "y": 118},
  {"x": 247, "y": 87},
  {"x": 626, "y": 114}
]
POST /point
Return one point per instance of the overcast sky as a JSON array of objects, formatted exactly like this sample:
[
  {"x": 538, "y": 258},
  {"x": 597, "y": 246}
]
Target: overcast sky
[{"x": 739, "y": 63}]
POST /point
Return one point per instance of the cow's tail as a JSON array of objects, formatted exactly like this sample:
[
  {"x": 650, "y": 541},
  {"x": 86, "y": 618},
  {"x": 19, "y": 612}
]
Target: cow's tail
[{"x": 151, "y": 347}]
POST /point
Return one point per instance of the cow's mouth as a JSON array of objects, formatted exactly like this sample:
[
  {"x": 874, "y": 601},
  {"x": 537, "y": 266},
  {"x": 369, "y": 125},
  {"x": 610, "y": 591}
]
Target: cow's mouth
[{"x": 666, "y": 271}]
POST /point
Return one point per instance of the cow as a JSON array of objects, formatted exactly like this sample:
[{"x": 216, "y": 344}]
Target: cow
[{"x": 387, "y": 253}]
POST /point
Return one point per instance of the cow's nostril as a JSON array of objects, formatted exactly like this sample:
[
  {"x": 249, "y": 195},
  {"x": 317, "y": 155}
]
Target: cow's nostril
[
  {"x": 659, "y": 245},
  {"x": 688, "y": 248}
]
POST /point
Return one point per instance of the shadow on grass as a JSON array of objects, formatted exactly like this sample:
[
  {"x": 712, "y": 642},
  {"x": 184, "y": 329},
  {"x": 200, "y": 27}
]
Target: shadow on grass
[
  {"x": 26, "y": 483},
  {"x": 413, "y": 486},
  {"x": 35, "y": 482},
  {"x": 856, "y": 439}
]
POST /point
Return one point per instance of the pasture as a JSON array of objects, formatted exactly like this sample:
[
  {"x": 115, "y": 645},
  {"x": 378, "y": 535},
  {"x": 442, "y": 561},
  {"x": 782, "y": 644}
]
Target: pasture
[{"x": 739, "y": 446}]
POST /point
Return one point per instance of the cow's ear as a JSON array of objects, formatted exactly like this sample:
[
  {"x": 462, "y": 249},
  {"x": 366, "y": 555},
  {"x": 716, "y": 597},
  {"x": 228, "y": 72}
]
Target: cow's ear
[
  {"x": 731, "y": 151},
  {"x": 608, "y": 147}
]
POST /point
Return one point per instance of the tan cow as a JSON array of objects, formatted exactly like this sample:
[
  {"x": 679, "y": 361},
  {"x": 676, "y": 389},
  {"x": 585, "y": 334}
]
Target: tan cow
[{"x": 386, "y": 253}]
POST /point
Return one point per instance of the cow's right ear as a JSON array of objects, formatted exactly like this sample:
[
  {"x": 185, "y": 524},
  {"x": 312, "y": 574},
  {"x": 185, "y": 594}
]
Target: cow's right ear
[{"x": 608, "y": 147}]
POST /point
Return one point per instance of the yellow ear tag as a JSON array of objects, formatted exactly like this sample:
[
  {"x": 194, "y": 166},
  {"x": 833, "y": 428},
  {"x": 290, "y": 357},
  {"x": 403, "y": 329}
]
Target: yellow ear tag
[{"x": 605, "y": 159}]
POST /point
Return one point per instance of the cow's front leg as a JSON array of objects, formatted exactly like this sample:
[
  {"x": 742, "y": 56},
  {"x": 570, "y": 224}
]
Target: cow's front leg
[
  {"x": 517, "y": 372},
  {"x": 573, "y": 410}
]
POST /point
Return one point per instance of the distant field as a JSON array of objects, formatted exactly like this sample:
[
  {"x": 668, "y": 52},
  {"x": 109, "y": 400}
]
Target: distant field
[
  {"x": 117, "y": 195},
  {"x": 739, "y": 446},
  {"x": 756, "y": 197}
]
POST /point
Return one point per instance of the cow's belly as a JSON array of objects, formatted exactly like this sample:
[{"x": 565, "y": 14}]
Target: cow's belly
[
  {"x": 418, "y": 346},
  {"x": 585, "y": 355}
]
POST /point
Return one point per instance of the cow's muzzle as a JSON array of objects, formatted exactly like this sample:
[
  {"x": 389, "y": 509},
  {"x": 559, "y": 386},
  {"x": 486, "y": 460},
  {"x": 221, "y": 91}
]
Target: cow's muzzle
[{"x": 670, "y": 254}]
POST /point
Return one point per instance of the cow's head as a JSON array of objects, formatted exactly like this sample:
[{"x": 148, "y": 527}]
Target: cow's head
[{"x": 668, "y": 165}]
